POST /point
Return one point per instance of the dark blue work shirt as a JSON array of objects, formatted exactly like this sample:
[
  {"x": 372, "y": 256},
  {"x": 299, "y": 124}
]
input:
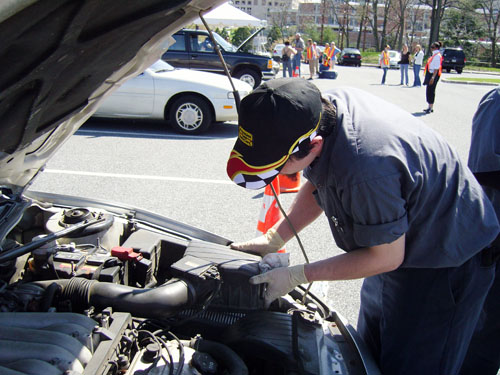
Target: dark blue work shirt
[
  {"x": 384, "y": 173},
  {"x": 484, "y": 154}
]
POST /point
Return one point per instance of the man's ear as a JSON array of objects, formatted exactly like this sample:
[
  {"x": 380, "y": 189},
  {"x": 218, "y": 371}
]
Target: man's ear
[{"x": 317, "y": 144}]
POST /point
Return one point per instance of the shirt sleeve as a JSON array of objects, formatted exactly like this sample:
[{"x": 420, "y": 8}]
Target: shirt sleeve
[{"x": 378, "y": 210}]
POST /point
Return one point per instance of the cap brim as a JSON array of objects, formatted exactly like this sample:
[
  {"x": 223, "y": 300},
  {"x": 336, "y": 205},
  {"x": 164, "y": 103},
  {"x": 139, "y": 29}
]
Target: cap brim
[{"x": 251, "y": 177}]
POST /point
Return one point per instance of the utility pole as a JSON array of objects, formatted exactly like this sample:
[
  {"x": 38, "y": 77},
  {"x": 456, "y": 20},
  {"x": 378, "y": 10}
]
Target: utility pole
[{"x": 323, "y": 10}]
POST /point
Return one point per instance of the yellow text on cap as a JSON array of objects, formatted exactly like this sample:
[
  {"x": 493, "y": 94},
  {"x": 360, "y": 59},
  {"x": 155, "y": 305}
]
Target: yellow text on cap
[{"x": 245, "y": 137}]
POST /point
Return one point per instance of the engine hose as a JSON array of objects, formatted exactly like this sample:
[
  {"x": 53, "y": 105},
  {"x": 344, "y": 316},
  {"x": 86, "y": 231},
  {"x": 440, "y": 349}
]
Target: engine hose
[
  {"x": 221, "y": 353},
  {"x": 155, "y": 303}
]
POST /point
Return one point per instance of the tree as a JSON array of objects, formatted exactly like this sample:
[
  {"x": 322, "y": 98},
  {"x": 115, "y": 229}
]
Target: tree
[
  {"x": 274, "y": 34},
  {"x": 402, "y": 13},
  {"x": 383, "y": 36},
  {"x": 374, "y": 22},
  {"x": 240, "y": 35},
  {"x": 438, "y": 7},
  {"x": 362, "y": 24},
  {"x": 491, "y": 16},
  {"x": 461, "y": 24}
]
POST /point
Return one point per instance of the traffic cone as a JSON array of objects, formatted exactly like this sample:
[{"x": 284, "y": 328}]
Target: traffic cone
[
  {"x": 270, "y": 213},
  {"x": 296, "y": 72},
  {"x": 289, "y": 183}
]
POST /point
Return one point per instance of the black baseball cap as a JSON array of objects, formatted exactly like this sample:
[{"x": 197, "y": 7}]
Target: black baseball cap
[{"x": 274, "y": 121}]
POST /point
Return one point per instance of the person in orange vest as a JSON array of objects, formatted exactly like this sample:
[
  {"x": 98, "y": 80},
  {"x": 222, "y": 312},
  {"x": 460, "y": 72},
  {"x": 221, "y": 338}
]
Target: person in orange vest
[
  {"x": 328, "y": 53},
  {"x": 312, "y": 57},
  {"x": 334, "y": 54},
  {"x": 384, "y": 62},
  {"x": 432, "y": 72},
  {"x": 324, "y": 55}
]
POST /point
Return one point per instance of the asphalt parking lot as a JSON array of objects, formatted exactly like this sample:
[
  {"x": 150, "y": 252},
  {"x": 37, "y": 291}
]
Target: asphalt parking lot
[{"x": 145, "y": 164}]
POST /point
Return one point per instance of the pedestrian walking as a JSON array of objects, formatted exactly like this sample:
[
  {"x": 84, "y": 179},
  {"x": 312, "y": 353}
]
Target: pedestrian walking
[
  {"x": 298, "y": 44},
  {"x": 418, "y": 59},
  {"x": 404, "y": 63},
  {"x": 391, "y": 195},
  {"x": 286, "y": 58},
  {"x": 483, "y": 356},
  {"x": 432, "y": 74},
  {"x": 384, "y": 62}
]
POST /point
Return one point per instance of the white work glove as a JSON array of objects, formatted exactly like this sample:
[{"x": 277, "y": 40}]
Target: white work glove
[
  {"x": 280, "y": 281},
  {"x": 274, "y": 260},
  {"x": 270, "y": 242}
]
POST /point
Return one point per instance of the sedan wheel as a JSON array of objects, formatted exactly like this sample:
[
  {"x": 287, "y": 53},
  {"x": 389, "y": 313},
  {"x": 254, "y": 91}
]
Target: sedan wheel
[{"x": 190, "y": 115}]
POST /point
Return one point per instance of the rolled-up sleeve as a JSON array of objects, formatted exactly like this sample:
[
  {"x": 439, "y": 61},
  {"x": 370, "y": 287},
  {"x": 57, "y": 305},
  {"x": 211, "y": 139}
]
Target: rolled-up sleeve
[{"x": 378, "y": 210}]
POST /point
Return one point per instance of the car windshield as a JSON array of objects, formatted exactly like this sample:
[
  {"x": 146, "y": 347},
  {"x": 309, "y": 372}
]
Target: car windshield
[
  {"x": 351, "y": 50},
  {"x": 453, "y": 53},
  {"x": 393, "y": 53},
  {"x": 161, "y": 66},
  {"x": 224, "y": 44}
]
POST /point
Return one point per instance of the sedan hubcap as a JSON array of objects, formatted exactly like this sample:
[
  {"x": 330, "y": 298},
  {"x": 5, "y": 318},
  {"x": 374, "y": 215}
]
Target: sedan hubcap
[
  {"x": 248, "y": 79},
  {"x": 189, "y": 116}
]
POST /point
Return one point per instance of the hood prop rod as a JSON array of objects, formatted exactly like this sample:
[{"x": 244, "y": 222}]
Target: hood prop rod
[
  {"x": 236, "y": 94},
  {"x": 296, "y": 236},
  {"x": 18, "y": 251}
]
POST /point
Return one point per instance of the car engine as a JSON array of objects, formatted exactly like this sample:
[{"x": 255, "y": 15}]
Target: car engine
[{"x": 87, "y": 291}]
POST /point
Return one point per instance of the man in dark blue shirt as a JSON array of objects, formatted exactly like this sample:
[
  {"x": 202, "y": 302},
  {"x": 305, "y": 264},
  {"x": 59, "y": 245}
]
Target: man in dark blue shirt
[
  {"x": 483, "y": 356},
  {"x": 412, "y": 219}
]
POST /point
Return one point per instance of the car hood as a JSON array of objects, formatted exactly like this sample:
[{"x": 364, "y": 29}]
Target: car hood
[
  {"x": 61, "y": 58},
  {"x": 199, "y": 78},
  {"x": 249, "y": 39}
]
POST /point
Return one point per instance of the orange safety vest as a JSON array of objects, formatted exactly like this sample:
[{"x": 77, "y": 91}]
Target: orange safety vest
[
  {"x": 385, "y": 57},
  {"x": 311, "y": 53},
  {"x": 328, "y": 54},
  {"x": 440, "y": 64}
]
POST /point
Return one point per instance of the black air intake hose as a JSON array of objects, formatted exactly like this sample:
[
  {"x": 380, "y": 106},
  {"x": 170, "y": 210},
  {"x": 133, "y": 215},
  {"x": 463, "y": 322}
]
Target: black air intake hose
[{"x": 160, "y": 302}]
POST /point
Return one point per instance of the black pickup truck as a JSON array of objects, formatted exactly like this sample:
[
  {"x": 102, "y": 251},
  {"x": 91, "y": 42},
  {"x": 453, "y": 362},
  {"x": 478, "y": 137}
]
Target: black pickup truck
[{"x": 193, "y": 50}]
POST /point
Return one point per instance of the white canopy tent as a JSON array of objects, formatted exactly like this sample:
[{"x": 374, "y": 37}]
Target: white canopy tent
[{"x": 226, "y": 15}]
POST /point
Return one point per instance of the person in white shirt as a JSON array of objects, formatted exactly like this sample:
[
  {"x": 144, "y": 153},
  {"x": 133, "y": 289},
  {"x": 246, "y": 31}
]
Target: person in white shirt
[
  {"x": 418, "y": 58},
  {"x": 432, "y": 73}
]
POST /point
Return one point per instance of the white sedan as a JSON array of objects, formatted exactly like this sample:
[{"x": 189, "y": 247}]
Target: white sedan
[{"x": 189, "y": 100}]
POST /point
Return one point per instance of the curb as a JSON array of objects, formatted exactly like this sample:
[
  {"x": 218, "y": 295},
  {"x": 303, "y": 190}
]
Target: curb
[{"x": 471, "y": 83}]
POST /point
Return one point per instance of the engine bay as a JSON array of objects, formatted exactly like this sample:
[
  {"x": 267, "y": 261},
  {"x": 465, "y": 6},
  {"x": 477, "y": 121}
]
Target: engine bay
[{"x": 87, "y": 291}]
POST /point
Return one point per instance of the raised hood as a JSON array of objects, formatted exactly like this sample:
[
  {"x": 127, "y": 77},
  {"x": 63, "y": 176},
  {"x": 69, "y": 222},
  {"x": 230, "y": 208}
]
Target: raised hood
[
  {"x": 247, "y": 40},
  {"x": 59, "y": 58}
]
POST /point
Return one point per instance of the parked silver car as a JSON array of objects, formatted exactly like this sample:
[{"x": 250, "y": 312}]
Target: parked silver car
[{"x": 189, "y": 100}]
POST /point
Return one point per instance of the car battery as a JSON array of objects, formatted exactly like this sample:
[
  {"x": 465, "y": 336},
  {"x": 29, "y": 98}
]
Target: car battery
[{"x": 70, "y": 264}]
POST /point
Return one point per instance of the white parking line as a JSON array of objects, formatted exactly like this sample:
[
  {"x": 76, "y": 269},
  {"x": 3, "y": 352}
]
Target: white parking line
[{"x": 137, "y": 176}]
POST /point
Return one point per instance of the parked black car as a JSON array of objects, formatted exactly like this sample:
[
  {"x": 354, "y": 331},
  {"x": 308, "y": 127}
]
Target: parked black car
[
  {"x": 194, "y": 50},
  {"x": 453, "y": 58},
  {"x": 350, "y": 56}
]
